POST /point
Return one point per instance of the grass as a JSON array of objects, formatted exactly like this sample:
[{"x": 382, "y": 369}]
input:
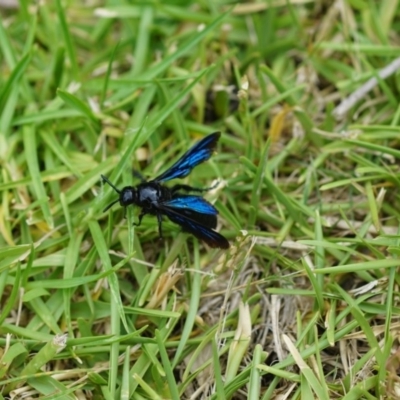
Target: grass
[{"x": 305, "y": 302}]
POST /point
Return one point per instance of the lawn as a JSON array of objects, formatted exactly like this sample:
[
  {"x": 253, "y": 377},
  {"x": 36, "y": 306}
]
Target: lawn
[{"x": 305, "y": 302}]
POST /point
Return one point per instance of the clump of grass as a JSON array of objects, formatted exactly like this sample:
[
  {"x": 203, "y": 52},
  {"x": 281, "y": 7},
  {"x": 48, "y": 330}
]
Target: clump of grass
[{"x": 304, "y": 302}]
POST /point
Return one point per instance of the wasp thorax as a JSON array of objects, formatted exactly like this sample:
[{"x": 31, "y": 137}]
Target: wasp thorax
[{"x": 128, "y": 196}]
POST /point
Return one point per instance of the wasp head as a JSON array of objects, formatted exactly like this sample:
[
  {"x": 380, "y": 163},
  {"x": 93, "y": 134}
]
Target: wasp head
[{"x": 127, "y": 196}]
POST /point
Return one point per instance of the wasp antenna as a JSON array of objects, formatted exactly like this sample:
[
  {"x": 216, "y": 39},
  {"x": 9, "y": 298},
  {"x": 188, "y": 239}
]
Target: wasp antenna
[
  {"x": 105, "y": 179},
  {"x": 110, "y": 205}
]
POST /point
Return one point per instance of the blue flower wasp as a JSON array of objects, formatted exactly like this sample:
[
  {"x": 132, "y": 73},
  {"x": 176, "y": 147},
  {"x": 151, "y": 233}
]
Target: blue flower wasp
[{"x": 194, "y": 214}]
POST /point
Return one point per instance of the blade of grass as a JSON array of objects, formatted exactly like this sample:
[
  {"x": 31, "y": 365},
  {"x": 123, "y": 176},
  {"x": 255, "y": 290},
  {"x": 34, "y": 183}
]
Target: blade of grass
[
  {"x": 30, "y": 145},
  {"x": 67, "y": 39},
  {"x": 173, "y": 388},
  {"x": 193, "y": 306},
  {"x": 12, "y": 82},
  {"x": 257, "y": 186},
  {"x": 102, "y": 250},
  {"x": 77, "y": 104}
]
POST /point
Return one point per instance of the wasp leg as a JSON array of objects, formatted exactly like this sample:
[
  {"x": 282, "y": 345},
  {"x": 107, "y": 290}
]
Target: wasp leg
[
  {"x": 138, "y": 175},
  {"x": 159, "y": 219},
  {"x": 141, "y": 215}
]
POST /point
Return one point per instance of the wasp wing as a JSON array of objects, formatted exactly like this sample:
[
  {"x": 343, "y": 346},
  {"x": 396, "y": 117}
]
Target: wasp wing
[
  {"x": 212, "y": 238},
  {"x": 196, "y": 216},
  {"x": 194, "y": 208},
  {"x": 199, "y": 153}
]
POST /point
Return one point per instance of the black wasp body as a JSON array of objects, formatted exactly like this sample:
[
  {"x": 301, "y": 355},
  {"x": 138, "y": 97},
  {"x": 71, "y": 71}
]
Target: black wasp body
[{"x": 194, "y": 214}]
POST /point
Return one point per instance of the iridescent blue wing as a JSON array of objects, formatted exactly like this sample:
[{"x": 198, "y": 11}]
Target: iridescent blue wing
[
  {"x": 196, "y": 203},
  {"x": 194, "y": 208},
  {"x": 199, "y": 153},
  {"x": 202, "y": 232}
]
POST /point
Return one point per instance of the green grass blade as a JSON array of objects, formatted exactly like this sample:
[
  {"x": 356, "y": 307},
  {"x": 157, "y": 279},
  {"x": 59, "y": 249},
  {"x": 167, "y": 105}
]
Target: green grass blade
[
  {"x": 102, "y": 250},
  {"x": 29, "y": 138},
  {"x": 14, "y": 78},
  {"x": 76, "y": 104}
]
